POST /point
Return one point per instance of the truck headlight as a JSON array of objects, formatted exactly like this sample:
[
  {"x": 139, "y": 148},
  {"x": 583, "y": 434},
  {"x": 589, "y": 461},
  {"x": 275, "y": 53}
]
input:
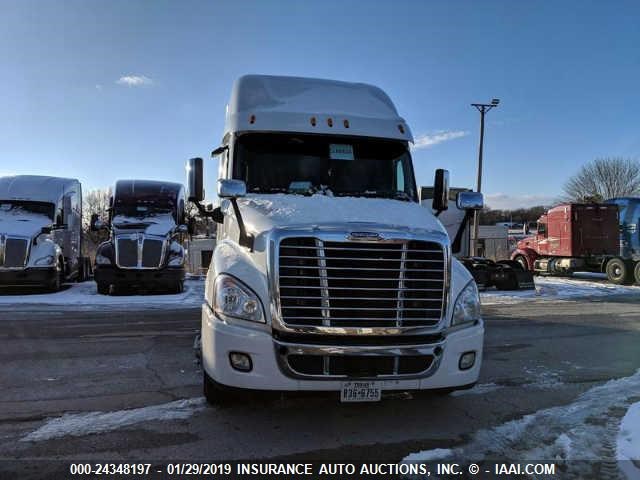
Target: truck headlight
[
  {"x": 102, "y": 260},
  {"x": 44, "y": 261},
  {"x": 467, "y": 306},
  {"x": 234, "y": 299}
]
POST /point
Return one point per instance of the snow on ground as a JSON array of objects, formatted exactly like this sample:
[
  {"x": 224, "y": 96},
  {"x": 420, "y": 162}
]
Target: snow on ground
[
  {"x": 479, "y": 389},
  {"x": 628, "y": 443},
  {"x": 583, "y": 430},
  {"x": 79, "y": 424},
  {"x": 429, "y": 455},
  {"x": 538, "y": 377},
  {"x": 557, "y": 288},
  {"x": 85, "y": 294}
]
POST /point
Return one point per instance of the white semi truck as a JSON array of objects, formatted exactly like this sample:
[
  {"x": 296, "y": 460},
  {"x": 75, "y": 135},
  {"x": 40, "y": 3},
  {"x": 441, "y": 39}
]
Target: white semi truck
[
  {"x": 41, "y": 232},
  {"x": 328, "y": 275}
]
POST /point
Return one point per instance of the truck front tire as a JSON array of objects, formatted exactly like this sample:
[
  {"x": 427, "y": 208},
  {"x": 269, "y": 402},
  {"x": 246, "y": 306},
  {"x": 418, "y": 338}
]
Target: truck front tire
[
  {"x": 56, "y": 284},
  {"x": 522, "y": 261},
  {"x": 618, "y": 271},
  {"x": 179, "y": 287},
  {"x": 216, "y": 393}
]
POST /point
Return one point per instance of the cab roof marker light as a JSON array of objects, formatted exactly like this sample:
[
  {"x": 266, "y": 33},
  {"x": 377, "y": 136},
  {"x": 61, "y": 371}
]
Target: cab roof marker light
[
  {"x": 330, "y": 122},
  {"x": 346, "y": 123},
  {"x": 401, "y": 128},
  {"x": 252, "y": 119},
  {"x": 312, "y": 120}
]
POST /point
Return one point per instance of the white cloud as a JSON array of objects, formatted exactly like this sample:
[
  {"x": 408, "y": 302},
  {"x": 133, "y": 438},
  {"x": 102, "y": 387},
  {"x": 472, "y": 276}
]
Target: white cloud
[
  {"x": 503, "y": 201},
  {"x": 439, "y": 136},
  {"x": 134, "y": 80}
]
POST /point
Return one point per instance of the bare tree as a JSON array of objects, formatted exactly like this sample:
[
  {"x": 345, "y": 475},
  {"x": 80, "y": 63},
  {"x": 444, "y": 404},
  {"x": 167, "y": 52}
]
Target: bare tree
[
  {"x": 604, "y": 178},
  {"x": 94, "y": 201}
]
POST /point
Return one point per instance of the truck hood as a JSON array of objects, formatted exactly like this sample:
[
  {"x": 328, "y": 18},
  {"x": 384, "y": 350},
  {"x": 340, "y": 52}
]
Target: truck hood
[
  {"x": 23, "y": 224},
  {"x": 160, "y": 225},
  {"x": 265, "y": 212}
]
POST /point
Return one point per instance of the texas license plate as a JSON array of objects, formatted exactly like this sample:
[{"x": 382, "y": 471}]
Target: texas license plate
[{"x": 360, "y": 392}]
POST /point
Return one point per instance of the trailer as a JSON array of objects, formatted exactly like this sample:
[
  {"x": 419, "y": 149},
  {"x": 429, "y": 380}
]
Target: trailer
[
  {"x": 581, "y": 237},
  {"x": 41, "y": 232}
]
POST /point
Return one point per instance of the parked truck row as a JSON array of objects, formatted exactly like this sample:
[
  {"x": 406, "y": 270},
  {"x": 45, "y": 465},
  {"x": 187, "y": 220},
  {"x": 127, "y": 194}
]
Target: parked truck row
[
  {"x": 41, "y": 235},
  {"x": 327, "y": 273}
]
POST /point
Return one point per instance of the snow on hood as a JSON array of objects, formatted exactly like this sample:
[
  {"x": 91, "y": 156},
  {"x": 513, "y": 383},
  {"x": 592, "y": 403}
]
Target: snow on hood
[
  {"x": 22, "y": 224},
  {"x": 151, "y": 225},
  {"x": 264, "y": 212}
]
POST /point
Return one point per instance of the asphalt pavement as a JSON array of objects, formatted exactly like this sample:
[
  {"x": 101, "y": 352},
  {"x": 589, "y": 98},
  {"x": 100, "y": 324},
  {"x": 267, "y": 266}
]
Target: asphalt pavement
[{"x": 61, "y": 368}]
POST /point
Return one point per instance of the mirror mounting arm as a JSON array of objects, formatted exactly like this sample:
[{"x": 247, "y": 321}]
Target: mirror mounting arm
[
  {"x": 246, "y": 239},
  {"x": 202, "y": 210}
]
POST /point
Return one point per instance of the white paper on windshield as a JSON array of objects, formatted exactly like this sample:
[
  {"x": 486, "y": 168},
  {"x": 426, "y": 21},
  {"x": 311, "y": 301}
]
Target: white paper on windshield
[{"x": 340, "y": 151}]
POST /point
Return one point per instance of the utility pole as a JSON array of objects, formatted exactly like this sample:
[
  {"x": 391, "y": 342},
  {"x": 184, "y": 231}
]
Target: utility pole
[{"x": 482, "y": 108}]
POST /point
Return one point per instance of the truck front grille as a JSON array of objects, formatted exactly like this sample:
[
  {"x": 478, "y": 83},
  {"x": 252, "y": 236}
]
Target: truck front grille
[
  {"x": 139, "y": 252},
  {"x": 152, "y": 253},
  {"x": 13, "y": 252},
  {"x": 360, "y": 284},
  {"x": 127, "y": 252}
]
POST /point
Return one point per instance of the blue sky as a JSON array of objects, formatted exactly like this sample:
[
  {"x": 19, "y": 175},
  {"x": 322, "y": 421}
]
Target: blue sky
[{"x": 567, "y": 74}]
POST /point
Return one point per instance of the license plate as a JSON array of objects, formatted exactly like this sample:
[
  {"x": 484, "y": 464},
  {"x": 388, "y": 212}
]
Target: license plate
[{"x": 360, "y": 392}]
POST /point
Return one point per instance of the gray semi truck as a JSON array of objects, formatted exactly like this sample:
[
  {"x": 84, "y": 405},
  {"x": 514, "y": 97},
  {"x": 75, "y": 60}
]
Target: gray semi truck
[{"x": 41, "y": 232}]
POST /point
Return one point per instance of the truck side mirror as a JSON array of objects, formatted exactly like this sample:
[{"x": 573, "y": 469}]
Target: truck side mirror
[
  {"x": 441, "y": 190},
  {"x": 217, "y": 215},
  {"x": 470, "y": 201},
  {"x": 195, "y": 190},
  {"x": 228, "y": 188},
  {"x": 96, "y": 224}
]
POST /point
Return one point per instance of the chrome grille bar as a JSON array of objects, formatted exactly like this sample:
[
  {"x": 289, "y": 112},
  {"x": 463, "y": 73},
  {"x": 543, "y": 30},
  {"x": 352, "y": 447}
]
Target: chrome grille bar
[{"x": 324, "y": 284}]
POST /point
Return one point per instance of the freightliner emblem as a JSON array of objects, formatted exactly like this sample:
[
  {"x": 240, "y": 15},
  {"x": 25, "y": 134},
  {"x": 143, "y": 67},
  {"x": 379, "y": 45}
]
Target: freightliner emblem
[{"x": 365, "y": 236}]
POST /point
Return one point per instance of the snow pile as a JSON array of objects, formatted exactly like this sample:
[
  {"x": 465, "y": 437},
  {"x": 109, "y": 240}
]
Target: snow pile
[
  {"x": 21, "y": 223},
  {"x": 79, "y": 424},
  {"x": 557, "y": 288},
  {"x": 564, "y": 434},
  {"x": 628, "y": 443},
  {"x": 150, "y": 223},
  {"x": 428, "y": 455},
  {"x": 85, "y": 294},
  {"x": 263, "y": 212}
]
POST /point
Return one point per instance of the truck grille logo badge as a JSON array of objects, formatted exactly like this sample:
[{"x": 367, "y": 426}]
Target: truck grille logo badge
[{"x": 364, "y": 236}]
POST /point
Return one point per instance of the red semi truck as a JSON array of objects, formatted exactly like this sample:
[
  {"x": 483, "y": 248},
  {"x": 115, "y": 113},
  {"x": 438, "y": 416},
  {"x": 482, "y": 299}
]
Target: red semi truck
[{"x": 575, "y": 237}]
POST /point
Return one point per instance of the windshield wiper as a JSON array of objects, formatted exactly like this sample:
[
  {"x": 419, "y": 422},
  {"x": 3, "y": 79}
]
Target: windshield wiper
[{"x": 396, "y": 195}]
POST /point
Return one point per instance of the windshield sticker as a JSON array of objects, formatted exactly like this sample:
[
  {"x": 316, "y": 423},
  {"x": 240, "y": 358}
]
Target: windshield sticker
[
  {"x": 339, "y": 151},
  {"x": 300, "y": 187}
]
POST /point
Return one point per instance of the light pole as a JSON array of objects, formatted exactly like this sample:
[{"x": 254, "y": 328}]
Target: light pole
[{"x": 482, "y": 108}]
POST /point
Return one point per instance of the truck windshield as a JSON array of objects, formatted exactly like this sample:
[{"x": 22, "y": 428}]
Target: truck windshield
[
  {"x": 307, "y": 164},
  {"x": 22, "y": 207},
  {"x": 142, "y": 209}
]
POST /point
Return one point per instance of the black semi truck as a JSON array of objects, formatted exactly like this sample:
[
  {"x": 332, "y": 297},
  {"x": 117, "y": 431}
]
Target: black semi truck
[{"x": 147, "y": 227}]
